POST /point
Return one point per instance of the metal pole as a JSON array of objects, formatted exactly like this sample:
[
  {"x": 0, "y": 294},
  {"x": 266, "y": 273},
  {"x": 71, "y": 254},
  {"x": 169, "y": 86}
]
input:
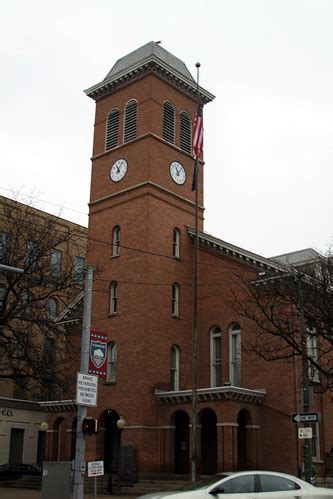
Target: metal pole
[
  {"x": 7, "y": 268},
  {"x": 79, "y": 464},
  {"x": 305, "y": 380},
  {"x": 195, "y": 314},
  {"x": 95, "y": 487}
]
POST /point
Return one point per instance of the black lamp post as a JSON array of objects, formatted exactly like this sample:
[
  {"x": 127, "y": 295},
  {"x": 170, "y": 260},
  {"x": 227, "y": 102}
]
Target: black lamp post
[{"x": 121, "y": 423}]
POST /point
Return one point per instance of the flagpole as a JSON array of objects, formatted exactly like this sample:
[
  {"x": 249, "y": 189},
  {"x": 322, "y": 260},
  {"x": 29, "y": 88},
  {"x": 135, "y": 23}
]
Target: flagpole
[{"x": 194, "y": 457}]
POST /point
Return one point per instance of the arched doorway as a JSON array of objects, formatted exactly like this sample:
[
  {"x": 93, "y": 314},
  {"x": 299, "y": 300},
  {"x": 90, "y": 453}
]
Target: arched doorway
[
  {"x": 208, "y": 422},
  {"x": 108, "y": 440},
  {"x": 243, "y": 420},
  {"x": 181, "y": 459}
]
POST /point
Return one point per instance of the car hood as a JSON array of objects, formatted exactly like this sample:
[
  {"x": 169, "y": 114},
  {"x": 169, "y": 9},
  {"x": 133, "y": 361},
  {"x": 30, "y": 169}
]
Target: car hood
[{"x": 159, "y": 495}]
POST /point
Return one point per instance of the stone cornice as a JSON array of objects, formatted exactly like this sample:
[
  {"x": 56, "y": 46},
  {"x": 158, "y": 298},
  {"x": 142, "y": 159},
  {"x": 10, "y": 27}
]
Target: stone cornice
[
  {"x": 212, "y": 394},
  {"x": 228, "y": 249},
  {"x": 154, "y": 65}
]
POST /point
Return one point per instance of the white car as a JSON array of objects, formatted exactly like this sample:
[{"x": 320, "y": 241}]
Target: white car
[{"x": 247, "y": 485}]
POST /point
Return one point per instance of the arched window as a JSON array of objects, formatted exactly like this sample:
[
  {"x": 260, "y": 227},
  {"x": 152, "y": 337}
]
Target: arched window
[
  {"x": 113, "y": 297},
  {"x": 175, "y": 299},
  {"x": 111, "y": 132},
  {"x": 169, "y": 122},
  {"x": 116, "y": 241},
  {"x": 215, "y": 357},
  {"x": 312, "y": 352},
  {"x": 176, "y": 243},
  {"x": 52, "y": 308},
  {"x": 174, "y": 368},
  {"x": 111, "y": 373},
  {"x": 235, "y": 354},
  {"x": 185, "y": 132},
  {"x": 130, "y": 120}
]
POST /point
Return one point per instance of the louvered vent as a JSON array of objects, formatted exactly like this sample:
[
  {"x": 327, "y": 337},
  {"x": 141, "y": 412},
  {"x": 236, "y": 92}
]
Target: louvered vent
[
  {"x": 131, "y": 112},
  {"x": 169, "y": 122},
  {"x": 185, "y": 132},
  {"x": 112, "y": 125}
]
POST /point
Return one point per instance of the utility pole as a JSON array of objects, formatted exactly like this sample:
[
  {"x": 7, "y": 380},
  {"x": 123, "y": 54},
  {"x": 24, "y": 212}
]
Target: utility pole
[
  {"x": 79, "y": 464},
  {"x": 305, "y": 379}
]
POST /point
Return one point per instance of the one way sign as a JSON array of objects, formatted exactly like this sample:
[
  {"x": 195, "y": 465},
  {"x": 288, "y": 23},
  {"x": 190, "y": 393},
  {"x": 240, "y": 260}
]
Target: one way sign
[{"x": 305, "y": 417}]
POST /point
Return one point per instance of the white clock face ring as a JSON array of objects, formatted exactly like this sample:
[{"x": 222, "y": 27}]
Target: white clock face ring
[
  {"x": 118, "y": 170},
  {"x": 177, "y": 172}
]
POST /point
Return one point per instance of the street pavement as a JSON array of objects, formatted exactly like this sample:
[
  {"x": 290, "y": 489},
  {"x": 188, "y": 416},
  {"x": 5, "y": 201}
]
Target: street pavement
[{"x": 12, "y": 493}]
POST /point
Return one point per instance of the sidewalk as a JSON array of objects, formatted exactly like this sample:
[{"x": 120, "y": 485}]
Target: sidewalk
[{"x": 12, "y": 493}]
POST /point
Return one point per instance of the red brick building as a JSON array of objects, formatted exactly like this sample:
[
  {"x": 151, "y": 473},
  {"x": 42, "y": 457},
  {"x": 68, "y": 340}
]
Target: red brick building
[{"x": 140, "y": 242}]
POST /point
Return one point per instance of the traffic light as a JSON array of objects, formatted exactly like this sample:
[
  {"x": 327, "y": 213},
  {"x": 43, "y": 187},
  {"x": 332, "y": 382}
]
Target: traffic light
[{"x": 89, "y": 426}]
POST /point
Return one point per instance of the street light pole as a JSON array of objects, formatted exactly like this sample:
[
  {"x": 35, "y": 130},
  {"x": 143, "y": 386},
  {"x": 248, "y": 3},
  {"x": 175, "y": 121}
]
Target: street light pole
[{"x": 121, "y": 423}]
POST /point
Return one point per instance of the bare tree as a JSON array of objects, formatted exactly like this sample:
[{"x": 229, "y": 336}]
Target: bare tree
[
  {"x": 33, "y": 347},
  {"x": 274, "y": 306}
]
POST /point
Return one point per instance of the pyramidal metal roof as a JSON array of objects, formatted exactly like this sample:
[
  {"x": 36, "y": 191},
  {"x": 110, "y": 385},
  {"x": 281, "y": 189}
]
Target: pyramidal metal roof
[
  {"x": 145, "y": 52},
  {"x": 150, "y": 58}
]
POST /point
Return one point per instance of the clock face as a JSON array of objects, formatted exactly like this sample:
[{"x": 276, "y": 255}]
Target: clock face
[
  {"x": 177, "y": 172},
  {"x": 118, "y": 170}
]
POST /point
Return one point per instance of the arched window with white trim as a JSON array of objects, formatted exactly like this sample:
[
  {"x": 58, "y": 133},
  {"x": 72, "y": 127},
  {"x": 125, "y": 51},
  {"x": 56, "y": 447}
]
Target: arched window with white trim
[
  {"x": 130, "y": 120},
  {"x": 185, "y": 132},
  {"x": 113, "y": 307},
  {"x": 174, "y": 368},
  {"x": 169, "y": 120},
  {"x": 175, "y": 299},
  {"x": 116, "y": 241},
  {"x": 215, "y": 357},
  {"x": 176, "y": 243},
  {"x": 112, "y": 128},
  {"x": 52, "y": 308},
  {"x": 235, "y": 354},
  {"x": 111, "y": 369}
]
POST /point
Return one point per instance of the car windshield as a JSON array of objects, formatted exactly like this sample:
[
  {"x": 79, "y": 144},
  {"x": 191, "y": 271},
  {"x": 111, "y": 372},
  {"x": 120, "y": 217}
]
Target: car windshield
[{"x": 205, "y": 482}]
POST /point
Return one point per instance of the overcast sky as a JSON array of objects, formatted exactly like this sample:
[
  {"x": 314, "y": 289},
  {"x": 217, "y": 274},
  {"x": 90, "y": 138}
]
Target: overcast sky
[{"x": 268, "y": 134}]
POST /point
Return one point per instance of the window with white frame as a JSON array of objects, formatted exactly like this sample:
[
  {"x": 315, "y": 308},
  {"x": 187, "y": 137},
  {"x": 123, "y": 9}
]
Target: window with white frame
[
  {"x": 215, "y": 357},
  {"x": 185, "y": 132},
  {"x": 111, "y": 373},
  {"x": 113, "y": 297},
  {"x": 174, "y": 368},
  {"x": 312, "y": 353},
  {"x": 315, "y": 442},
  {"x": 175, "y": 299},
  {"x": 116, "y": 241},
  {"x": 78, "y": 268},
  {"x": 31, "y": 256},
  {"x": 52, "y": 308},
  {"x": 130, "y": 120},
  {"x": 176, "y": 243},
  {"x": 235, "y": 354},
  {"x": 169, "y": 122},
  {"x": 112, "y": 126},
  {"x": 55, "y": 262}
]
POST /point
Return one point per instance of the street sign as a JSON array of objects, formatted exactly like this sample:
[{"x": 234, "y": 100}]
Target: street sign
[
  {"x": 305, "y": 432},
  {"x": 96, "y": 468},
  {"x": 305, "y": 417},
  {"x": 86, "y": 389}
]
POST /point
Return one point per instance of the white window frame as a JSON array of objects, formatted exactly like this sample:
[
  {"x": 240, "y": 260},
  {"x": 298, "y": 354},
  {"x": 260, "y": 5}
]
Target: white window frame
[
  {"x": 175, "y": 299},
  {"x": 116, "y": 240},
  {"x": 174, "y": 368},
  {"x": 78, "y": 268},
  {"x": 312, "y": 351},
  {"x": 185, "y": 113},
  {"x": 113, "y": 304},
  {"x": 56, "y": 258},
  {"x": 52, "y": 310},
  {"x": 126, "y": 118},
  {"x": 315, "y": 442},
  {"x": 169, "y": 104},
  {"x": 114, "y": 111},
  {"x": 235, "y": 357},
  {"x": 215, "y": 361},
  {"x": 111, "y": 370},
  {"x": 176, "y": 243}
]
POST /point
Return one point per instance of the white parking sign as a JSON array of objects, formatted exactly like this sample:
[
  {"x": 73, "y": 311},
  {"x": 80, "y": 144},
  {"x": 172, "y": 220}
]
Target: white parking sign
[
  {"x": 86, "y": 389},
  {"x": 96, "y": 468}
]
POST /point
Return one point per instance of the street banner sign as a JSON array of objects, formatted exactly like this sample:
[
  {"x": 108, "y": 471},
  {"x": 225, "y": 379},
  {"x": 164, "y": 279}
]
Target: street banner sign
[
  {"x": 305, "y": 432},
  {"x": 96, "y": 468},
  {"x": 86, "y": 389},
  {"x": 98, "y": 352},
  {"x": 305, "y": 417}
]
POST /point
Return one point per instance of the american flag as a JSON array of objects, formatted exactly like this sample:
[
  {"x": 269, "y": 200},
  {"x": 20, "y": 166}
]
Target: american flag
[{"x": 197, "y": 140}]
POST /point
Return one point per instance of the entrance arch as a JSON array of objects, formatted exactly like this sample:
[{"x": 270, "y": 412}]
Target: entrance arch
[
  {"x": 181, "y": 443},
  {"x": 243, "y": 420},
  {"x": 59, "y": 440},
  {"x": 108, "y": 440},
  {"x": 208, "y": 421}
]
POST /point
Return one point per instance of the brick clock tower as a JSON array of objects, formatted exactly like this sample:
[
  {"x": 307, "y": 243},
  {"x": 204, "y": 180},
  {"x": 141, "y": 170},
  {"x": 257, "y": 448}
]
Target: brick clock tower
[{"x": 141, "y": 206}]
